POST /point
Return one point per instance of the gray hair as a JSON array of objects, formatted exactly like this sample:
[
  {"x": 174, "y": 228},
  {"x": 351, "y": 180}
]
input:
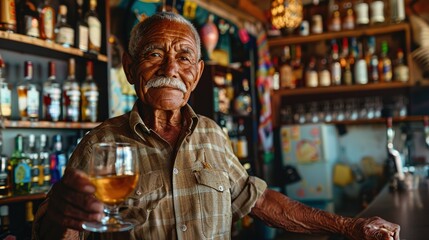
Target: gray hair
[{"x": 139, "y": 30}]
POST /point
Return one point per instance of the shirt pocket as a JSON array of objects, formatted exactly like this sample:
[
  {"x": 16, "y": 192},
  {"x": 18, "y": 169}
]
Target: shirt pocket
[
  {"x": 148, "y": 193},
  {"x": 215, "y": 201}
]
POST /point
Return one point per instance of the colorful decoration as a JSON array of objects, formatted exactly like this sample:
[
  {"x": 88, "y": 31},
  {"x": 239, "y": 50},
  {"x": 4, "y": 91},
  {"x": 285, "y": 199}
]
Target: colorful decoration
[{"x": 209, "y": 35}]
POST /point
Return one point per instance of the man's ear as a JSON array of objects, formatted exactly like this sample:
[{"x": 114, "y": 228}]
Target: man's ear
[
  {"x": 126, "y": 64},
  {"x": 200, "y": 69}
]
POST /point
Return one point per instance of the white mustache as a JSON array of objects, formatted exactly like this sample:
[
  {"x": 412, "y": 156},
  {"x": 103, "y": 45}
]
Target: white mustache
[{"x": 160, "y": 81}]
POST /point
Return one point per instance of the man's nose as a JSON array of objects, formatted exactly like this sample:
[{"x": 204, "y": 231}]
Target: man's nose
[{"x": 169, "y": 67}]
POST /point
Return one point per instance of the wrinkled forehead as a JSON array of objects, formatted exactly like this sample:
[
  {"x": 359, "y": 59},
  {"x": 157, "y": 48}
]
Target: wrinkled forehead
[{"x": 166, "y": 28}]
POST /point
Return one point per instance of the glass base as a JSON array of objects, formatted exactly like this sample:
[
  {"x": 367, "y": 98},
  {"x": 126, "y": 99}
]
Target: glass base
[{"x": 108, "y": 225}]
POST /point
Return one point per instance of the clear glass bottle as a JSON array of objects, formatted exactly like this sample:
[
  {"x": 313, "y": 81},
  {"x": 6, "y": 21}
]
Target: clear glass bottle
[
  {"x": 324, "y": 75},
  {"x": 297, "y": 66},
  {"x": 45, "y": 172},
  {"x": 47, "y": 20},
  {"x": 372, "y": 61},
  {"x": 286, "y": 74},
  {"x": 52, "y": 96},
  {"x": 7, "y": 16},
  {"x": 28, "y": 95},
  {"x": 5, "y": 177},
  {"x": 311, "y": 76},
  {"x": 21, "y": 168},
  {"x": 64, "y": 32},
  {"x": 94, "y": 24},
  {"x": 345, "y": 66},
  {"x": 243, "y": 100},
  {"x": 32, "y": 154},
  {"x": 401, "y": 71},
  {"x": 82, "y": 29},
  {"x": 361, "y": 69},
  {"x": 57, "y": 158},
  {"x": 28, "y": 19},
  {"x": 71, "y": 95},
  {"x": 5, "y": 92},
  {"x": 89, "y": 95},
  {"x": 335, "y": 65}
]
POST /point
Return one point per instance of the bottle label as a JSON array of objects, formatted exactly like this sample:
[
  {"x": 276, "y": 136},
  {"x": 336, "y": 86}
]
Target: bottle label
[
  {"x": 325, "y": 78},
  {"x": 94, "y": 32},
  {"x": 401, "y": 73},
  {"x": 65, "y": 36},
  {"x": 5, "y": 101},
  {"x": 91, "y": 96},
  {"x": 242, "y": 148},
  {"x": 22, "y": 173},
  {"x": 286, "y": 77},
  {"x": 336, "y": 73},
  {"x": 311, "y": 79},
  {"x": 83, "y": 38},
  {"x": 31, "y": 26},
  {"x": 361, "y": 72},
  {"x": 387, "y": 72},
  {"x": 32, "y": 102},
  {"x": 48, "y": 22}
]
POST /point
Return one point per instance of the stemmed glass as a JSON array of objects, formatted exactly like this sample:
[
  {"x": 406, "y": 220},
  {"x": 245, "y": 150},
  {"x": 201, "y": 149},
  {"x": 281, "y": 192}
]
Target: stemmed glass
[{"x": 114, "y": 171}]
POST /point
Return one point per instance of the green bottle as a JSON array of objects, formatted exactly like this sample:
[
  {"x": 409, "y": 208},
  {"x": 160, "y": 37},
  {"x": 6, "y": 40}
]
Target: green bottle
[{"x": 21, "y": 168}]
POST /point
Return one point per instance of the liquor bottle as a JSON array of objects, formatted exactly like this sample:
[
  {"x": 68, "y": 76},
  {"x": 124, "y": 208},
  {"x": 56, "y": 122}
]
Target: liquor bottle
[
  {"x": 335, "y": 19},
  {"x": 372, "y": 61},
  {"x": 349, "y": 17},
  {"x": 361, "y": 69},
  {"x": 71, "y": 95},
  {"x": 52, "y": 96},
  {"x": 4, "y": 219},
  {"x": 362, "y": 13},
  {"x": 286, "y": 75},
  {"x": 345, "y": 66},
  {"x": 7, "y": 16},
  {"x": 29, "y": 19},
  {"x": 353, "y": 56},
  {"x": 28, "y": 95},
  {"x": 242, "y": 146},
  {"x": 89, "y": 95},
  {"x": 45, "y": 171},
  {"x": 58, "y": 159},
  {"x": 401, "y": 70},
  {"x": 397, "y": 8},
  {"x": 335, "y": 65},
  {"x": 47, "y": 20},
  {"x": 32, "y": 154},
  {"x": 5, "y": 92},
  {"x": 29, "y": 219},
  {"x": 94, "y": 25},
  {"x": 385, "y": 64},
  {"x": 63, "y": 31},
  {"x": 243, "y": 100},
  {"x": 5, "y": 177},
  {"x": 82, "y": 29},
  {"x": 311, "y": 76},
  {"x": 324, "y": 74},
  {"x": 21, "y": 168},
  {"x": 297, "y": 66}
]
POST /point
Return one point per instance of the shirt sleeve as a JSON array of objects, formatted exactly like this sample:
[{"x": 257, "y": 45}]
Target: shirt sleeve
[{"x": 245, "y": 189}]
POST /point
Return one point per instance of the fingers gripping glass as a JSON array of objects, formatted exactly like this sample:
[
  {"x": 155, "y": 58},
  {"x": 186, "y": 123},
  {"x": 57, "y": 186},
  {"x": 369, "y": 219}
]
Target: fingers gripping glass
[{"x": 113, "y": 169}]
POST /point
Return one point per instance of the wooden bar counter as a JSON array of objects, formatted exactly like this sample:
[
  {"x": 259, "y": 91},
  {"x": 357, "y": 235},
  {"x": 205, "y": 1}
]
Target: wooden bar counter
[{"x": 408, "y": 208}]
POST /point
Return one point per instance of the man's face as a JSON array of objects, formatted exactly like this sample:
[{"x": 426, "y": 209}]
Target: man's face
[{"x": 167, "y": 69}]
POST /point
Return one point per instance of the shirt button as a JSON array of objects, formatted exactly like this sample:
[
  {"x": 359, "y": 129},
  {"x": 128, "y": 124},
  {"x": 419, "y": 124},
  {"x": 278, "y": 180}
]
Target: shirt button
[
  {"x": 183, "y": 228},
  {"x": 220, "y": 188},
  {"x": 138, "y": 192},
  {"x": 175, "y": 171}
]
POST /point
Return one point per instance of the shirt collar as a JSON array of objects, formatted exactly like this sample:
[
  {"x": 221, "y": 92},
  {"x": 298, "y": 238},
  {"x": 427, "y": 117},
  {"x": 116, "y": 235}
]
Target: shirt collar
[{"x": 189, "y": 116}]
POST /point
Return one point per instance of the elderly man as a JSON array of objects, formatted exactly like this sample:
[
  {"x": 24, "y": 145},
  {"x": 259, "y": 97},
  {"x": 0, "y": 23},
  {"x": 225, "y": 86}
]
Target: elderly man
[{"x": 191, "y": 184}]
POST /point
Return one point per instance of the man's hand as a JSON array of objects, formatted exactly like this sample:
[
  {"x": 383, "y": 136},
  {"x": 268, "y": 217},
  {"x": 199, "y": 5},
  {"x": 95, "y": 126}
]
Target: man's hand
[
  {"x": 374, "y": 228},
  {"x": 72, "y": 201}
]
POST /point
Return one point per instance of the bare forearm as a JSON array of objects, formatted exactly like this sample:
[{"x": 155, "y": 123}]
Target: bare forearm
[{"x": 280, "y": 211}]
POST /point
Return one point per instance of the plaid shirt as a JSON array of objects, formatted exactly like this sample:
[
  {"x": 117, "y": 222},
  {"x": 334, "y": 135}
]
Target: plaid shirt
[{"x": 191, "y": 191}]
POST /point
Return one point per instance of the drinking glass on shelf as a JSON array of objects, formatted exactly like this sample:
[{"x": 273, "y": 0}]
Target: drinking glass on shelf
[{"x": 114, "y": 171}]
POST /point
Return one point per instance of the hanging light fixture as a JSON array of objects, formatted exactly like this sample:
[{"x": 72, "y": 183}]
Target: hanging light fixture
[{"x": 286, "y": 13}]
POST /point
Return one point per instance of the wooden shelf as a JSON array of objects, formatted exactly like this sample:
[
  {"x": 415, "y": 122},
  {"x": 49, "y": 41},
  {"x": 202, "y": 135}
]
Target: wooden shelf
[
  {"x": 340, "y": 89},
  {"x": 52, "y": 125},
  {"x": 22, "y": 198},
  {"x": 35, "y": 42},
  {"x": 380, "y": 120},
  {"x": 368, "y": 31}
]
